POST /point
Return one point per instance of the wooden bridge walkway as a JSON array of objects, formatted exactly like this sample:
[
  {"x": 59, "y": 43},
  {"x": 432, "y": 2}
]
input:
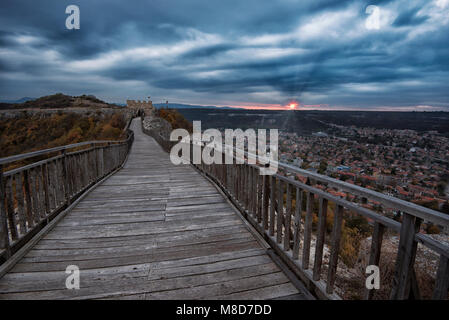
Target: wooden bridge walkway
[{"x": 151, "y": 231}]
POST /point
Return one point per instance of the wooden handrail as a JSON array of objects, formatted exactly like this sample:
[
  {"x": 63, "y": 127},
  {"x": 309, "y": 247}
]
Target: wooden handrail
[
  {"x": 418, "y": 211},
  {"x": 261, "y": 201},
  {"x": 24, "y": 156},
  {"x": 33, "y": 195}
]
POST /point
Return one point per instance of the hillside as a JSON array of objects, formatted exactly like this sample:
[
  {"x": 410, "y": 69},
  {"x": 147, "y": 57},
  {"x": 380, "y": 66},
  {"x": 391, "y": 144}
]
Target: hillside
[
  {"x": 60, "y": 101},
  {"x": 27, "y": 132}
]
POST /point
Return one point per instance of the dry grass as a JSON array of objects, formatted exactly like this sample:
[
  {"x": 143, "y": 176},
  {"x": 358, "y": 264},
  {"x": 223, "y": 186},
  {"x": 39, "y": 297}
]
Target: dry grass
[{"x": 351, "y": 281}]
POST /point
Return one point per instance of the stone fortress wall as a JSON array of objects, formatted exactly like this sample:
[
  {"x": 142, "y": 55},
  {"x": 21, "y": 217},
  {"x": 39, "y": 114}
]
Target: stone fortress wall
[{"x": 146, "y": 106}]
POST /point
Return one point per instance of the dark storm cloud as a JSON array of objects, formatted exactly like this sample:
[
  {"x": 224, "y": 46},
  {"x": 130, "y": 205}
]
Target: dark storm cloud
[
  {"x": 197, "y": 51},
  {"x": 208, "y": 51},
  {"x": 410, "y": 18}
]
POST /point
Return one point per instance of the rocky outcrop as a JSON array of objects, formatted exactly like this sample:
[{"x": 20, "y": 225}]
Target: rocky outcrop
[{"x": 156, "y": 124}]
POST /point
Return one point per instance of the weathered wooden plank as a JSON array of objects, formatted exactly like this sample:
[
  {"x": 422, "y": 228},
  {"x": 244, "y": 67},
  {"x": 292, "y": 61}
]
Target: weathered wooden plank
[
  {"x": 288, "y": 217},
  {"x": 248, "y": 194},
  {"x": 88, "y": 166},
  {"x": 181, "y": 235},
  {"x": 137, "y": 285},
  {"x": 154, "y": 255},
  {"x": 23, "y": 282},
  {"x": 335, "y": 248},
  {"x": 254, "y": 193},
  {"x": 61, "y": 190},
  {"x": 41, "y": 195},
  {"x": 321, "y": 233},
  {"x": 34, "y": 196},
  {"x": 54, "y": 184},
  {"x": 307, "y": 232},
  {"x": 406, "y": 257},
  {"x": 4, "y": 239},
  {"x": 135, "y": 247},
  {"x": 374, "y": 258},
  {"x": 70, "y": 175},
  {"x": 86, "y": 255},
  {"x": 250, "y": 190},
  {"x": 266, "y": 201},
  {"x": 442, "y": 280},
  {"x": 65, "y": 178},
  {"x": 272, "y": 204},
  {"x": 153, "y": 226},
  {"x": 10, "y": 212},
  {"x": 20, "y": 202},
  {"x": 28, "y": 201},
  {"x": 271, "y": 292},
  {"x": 259, "y": 195},
  {"x": 280, "y": 212},
  {"x": 297, "y": 224}
]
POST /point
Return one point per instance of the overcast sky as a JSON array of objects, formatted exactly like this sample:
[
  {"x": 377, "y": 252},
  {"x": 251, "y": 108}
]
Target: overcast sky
[{"x": 319, "y": 53}]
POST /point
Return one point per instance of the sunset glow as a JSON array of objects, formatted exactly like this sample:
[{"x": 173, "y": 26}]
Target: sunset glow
[{"x": 291, "y": 105}]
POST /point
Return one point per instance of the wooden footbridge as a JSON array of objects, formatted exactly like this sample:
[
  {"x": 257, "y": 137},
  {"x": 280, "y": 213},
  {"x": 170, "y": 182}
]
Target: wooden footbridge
[
  {"x": 152, "y": 230},
  {"x": 139, "y": 227}
]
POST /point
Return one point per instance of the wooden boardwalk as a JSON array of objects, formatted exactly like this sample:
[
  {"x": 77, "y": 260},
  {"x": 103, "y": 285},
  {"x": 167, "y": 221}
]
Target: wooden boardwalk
[{"x": 152, "y": 231}]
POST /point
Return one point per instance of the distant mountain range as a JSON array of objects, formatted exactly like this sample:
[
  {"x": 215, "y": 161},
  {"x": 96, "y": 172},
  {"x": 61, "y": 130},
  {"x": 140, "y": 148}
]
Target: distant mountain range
[
  {"x": 157, "y": 105},
  {"x": 21, "y": 100},
  {"x": 61, "y": 100},
  {"x": 179, "y": 106},
  {"x": 187, "y": 106}
]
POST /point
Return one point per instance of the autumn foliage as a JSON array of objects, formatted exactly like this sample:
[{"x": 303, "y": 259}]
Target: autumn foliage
[
  {"x": 175, "y": 118},
  {"x": 30, "y": 133}
]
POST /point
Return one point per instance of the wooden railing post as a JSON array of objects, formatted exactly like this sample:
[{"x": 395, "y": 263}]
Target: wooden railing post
[
  {"x": 266, "y": 202},
  {"x": 10, "y": 214},
  {"x": 442, "y": 279},
  {"x": 107, "y": 159},
  {"x": 374, "y": 259},
  {"x": 320, "y": 237},
  {"x": 224, "y": 174},
  {"x": 259, "y": 185},
  {"x": 288, "y": 218},
  {"x": 101, "y": 160},
  {"x": 335, "y": 248},
  {"x": 272, "y": 204},
  {"x": 405, "y": 258},
  {"x": 297, "y": 223},
  {"x": 20, "y": 203},
  {"x": 65, "y": 177},
  {"x": 250, "y": 190},
  {"x": 4, "y": 237},
  {"x": 44, "y": 172},
  {"x": 97, "y": 163},
  {"x": 280, "y": 212},
  {"x": 28, "y": 201},
  {"x": 307, "y": 231}
]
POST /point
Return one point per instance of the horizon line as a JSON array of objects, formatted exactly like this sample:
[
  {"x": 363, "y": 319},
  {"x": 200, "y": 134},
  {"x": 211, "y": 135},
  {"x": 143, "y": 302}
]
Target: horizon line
[{"x": 294, "y": 105}]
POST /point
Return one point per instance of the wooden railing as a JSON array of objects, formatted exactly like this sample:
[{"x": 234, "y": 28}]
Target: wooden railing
[
  {"x": 33, "y": 195},
  {"x": 267, "y": 203}
]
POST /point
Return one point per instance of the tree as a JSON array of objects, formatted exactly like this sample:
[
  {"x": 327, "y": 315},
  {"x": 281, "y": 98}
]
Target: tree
[
  {"x": 323, "y": 167},
  {"x": 441, "y": 187}
]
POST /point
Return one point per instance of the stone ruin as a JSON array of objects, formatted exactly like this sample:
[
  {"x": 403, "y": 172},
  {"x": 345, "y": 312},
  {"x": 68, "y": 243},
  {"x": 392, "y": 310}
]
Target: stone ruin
[{"x": 145, "y": 106}]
